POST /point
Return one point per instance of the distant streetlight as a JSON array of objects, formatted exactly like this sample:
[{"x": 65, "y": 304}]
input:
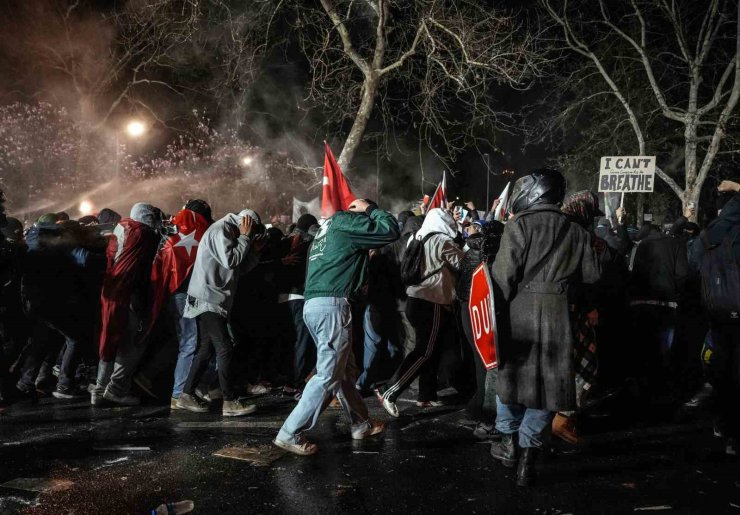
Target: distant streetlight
[
  {"x": 135, "y": 128},
  {"x": 86, "y": 208},
  {"x": 247, "y": 160}
]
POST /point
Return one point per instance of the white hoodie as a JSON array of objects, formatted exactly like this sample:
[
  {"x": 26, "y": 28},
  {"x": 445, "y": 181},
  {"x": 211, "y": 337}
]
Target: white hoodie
[{"x": 440, "y": 253}]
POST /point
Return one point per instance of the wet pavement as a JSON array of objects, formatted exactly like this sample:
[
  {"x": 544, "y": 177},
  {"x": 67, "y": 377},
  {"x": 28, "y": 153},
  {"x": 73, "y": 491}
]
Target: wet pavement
[{"x": 130, "y": 460}]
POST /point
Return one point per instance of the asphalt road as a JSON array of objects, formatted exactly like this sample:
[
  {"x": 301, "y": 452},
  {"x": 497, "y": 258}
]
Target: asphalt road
[{"x": 130, "y": 460}]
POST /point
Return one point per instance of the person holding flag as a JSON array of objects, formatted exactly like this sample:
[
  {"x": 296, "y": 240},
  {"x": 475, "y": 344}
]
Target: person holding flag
[{"x": 170, "y": 278}]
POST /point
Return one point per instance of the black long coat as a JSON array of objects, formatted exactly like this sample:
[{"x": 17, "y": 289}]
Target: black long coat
[{"x": 535, "y": 347}]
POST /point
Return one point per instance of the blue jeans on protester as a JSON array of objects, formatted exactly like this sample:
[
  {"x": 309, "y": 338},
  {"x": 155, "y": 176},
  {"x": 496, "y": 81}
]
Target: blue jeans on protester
[
  {"x": 186, "y": 330},
  {"x": 373, "y": 357},
  {"x": 329, "y": 319},
  {"x": 533, "y": 425}
]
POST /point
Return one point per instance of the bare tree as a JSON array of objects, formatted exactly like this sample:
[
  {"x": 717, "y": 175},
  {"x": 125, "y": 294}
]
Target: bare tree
[
  {"x": 668, "y": 66},
  {"x": 428, "y": 65},
  {"x": 97, "y": 61}
]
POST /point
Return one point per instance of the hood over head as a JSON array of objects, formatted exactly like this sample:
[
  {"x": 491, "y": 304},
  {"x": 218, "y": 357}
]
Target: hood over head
[
  {"x": 201, "y": 207},
  {"x": 438, "y": 220},
  {"x": 413, "y": 224},
  {"x": 146, "y": 214},
  {"x": 108, "y": 216}
]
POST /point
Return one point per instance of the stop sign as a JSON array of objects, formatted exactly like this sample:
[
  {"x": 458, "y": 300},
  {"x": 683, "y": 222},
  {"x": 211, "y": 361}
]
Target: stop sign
[{"x": 482, "y": 316}]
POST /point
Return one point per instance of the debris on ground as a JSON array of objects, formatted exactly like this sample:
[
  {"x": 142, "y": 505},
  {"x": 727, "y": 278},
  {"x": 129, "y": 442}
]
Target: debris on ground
[
  {"x": 260, "y": 456},
  {"x": 38, "y": 484}
]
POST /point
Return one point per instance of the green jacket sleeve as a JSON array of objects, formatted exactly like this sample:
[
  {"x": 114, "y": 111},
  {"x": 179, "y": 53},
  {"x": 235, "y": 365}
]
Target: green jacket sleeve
[{"x": 371, "y": 231}]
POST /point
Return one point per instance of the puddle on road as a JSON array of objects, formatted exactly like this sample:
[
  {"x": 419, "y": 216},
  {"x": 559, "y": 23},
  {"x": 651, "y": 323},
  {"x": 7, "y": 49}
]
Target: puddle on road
[{"x": 260, "y": 456}]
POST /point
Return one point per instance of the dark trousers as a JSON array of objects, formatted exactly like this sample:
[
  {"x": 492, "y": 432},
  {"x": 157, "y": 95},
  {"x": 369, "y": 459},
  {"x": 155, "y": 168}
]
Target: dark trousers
[
  {"x": 482, "y": 405},
  {"x": 71, "y": 358},
  {"x": 213, "y": 336},
  {"x": 39, "y": 356},
  {"x": 430, "y": 320},
  {"x": 304, "y": 348},
  {"x": 724, "y": 373}
]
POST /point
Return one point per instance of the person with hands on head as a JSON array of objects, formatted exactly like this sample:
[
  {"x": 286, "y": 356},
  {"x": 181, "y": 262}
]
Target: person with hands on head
[
  {"x": 337, "y": 269},
  {"x": 227, "y": 250}
]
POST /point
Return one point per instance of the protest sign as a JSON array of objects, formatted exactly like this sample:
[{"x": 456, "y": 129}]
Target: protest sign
[{"x": 627, "y": 174}]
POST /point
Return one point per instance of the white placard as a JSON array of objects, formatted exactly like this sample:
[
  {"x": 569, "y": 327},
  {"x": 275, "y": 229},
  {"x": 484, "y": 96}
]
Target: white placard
[{"x": 627, "y": 174}]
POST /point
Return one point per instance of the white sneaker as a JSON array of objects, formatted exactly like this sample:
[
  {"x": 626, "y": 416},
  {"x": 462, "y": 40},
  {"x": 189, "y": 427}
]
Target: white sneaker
[
  {"x": 375, "y": 428},
  {"x": 257, "y": 389},
  {"x": 125, "y": 400},
  {"x": 389, "y": 406}
]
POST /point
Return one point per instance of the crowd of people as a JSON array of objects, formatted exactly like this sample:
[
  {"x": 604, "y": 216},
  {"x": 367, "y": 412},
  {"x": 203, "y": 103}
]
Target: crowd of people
[{"x": 364, "y": 303}]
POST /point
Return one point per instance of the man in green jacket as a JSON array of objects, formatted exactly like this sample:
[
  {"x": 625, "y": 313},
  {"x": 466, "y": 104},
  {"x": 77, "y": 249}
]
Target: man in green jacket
[{"x": 337, "y": 266}]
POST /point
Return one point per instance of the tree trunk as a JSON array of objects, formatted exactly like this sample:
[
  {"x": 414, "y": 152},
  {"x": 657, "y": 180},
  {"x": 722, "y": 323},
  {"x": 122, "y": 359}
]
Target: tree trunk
[{"x": 369, "y": 90}]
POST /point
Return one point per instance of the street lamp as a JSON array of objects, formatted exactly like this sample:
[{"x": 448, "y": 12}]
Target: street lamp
[
  {"x": 487, "y": 159},
  {"x": 135, "y": 128},
  {"x": 86, "y": 208},
  {"x": 247, "y": 160}
]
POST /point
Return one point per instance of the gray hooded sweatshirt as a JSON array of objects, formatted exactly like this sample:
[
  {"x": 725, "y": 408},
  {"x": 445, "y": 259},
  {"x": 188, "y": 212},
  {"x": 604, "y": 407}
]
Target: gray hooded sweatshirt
[{"x": 223, "y": 255}]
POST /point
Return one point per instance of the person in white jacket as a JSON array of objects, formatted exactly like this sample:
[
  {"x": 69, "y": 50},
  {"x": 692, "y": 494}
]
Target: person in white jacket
[
  {"x": 226, "y": 251},
  {"x": 429, "y": 309}
]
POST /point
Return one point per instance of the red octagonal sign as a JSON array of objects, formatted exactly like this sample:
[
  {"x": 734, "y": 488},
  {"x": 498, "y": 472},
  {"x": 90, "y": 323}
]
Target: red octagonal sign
[{"x": 482, "y": 316}]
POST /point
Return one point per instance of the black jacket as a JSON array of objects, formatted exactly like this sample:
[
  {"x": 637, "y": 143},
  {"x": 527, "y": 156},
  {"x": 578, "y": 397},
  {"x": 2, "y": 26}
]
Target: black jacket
[
  {"x": 717, "y": 231},
  {"x": 660, "y": 269}
]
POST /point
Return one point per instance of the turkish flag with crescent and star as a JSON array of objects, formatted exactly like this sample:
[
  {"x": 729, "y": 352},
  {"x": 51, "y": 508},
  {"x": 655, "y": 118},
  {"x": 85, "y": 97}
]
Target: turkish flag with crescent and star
[
  {"x": 175, "y": 259},
  {"x": 337, "y": 195}
]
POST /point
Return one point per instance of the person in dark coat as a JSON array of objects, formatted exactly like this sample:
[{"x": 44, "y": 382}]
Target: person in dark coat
[
  {"x": 541, "y": 255},
  {"x": 481, "y": 246},
  {"x": 724, "y": 369}
]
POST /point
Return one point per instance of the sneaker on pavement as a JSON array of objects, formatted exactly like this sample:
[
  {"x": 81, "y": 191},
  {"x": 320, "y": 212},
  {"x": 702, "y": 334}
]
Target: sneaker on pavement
[
  {"x": 173, "y": 404},
  {"x": 68, "y": 394},
  {"x": 389, "y": 406},
  {"x": 237, "y": 408},
  {"x": 375, "y": 428},
  {"x": 257, "y": 389},
  {"x": 123, "y": 400},
  {"x": 97, "y": 399},
  {"x": 145, "y": 384},
  {"x": 191, "y": 403},
  {"x": 302, "y": 447}
]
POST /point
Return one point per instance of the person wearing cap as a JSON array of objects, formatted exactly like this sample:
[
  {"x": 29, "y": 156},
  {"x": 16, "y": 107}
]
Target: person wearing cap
[
  {"x": 226, "y": 251},
  {"x": 337, "y": 270},
  {"x": 542, "y": 254}
]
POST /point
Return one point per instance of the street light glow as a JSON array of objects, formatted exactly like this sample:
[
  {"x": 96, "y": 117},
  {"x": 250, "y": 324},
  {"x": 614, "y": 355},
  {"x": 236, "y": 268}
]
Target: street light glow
[
  {"x": 86, "y": 208},
  {"x": 247, "y": 160},
  {"x": 135, "y": 128}
]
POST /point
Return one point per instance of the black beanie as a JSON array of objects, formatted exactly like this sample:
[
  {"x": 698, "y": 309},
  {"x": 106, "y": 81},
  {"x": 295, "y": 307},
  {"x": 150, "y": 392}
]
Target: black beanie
[
  {"x": 201, "y": 207},
  {"x": 305, "y": 222}
]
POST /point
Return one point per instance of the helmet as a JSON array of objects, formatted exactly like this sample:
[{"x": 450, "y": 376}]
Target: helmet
[{"x": 543, "y": 186}]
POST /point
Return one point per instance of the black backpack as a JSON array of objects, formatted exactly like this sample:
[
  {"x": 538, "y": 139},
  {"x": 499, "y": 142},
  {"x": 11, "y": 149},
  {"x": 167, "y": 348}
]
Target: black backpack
[
  {"x": 413, "y": 261},
  {"x": 720, "y": 278}
]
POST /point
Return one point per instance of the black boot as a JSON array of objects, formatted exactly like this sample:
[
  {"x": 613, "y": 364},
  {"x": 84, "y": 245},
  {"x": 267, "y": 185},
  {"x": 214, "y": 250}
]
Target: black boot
[
  {"x": 525, "y": 472},
  {"x": 506, "y": 450}
]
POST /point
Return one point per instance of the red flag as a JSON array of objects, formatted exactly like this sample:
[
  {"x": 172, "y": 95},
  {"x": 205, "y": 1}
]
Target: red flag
[
  {"x": 337, "y": 196},
  {"x": 439, "y": 199},
  {"x": 130, "y": 252},
  {"x": 175, "y": 259}
]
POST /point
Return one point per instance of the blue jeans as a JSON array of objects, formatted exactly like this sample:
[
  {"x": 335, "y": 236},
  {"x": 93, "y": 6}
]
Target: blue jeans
[
  {"x": 186, "y": 330},
  {"x": 373, "y": 357},
  {"x": 329, "y": 320},
  {"x": 533, "y": 425}
]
